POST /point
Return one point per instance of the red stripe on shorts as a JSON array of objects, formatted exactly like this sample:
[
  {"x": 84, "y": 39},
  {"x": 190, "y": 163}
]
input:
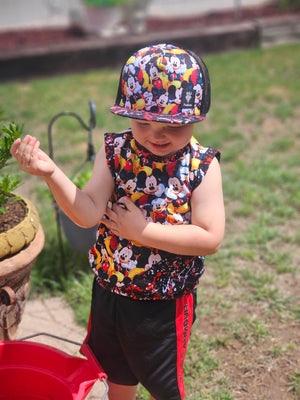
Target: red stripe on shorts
[{"x": 184, "y": 321}]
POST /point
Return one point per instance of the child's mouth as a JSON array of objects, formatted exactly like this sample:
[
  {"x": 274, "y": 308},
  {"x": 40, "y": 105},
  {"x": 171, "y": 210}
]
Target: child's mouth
[{"x": 160, "y": 145}]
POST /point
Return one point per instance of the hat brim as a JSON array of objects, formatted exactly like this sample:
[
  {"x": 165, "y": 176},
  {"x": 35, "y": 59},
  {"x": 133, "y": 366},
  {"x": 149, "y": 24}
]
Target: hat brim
[{"x": 157, "y": 117}]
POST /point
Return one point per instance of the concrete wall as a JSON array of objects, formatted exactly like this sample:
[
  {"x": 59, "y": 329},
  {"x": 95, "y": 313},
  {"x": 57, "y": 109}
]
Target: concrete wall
[
  {"x": 20, "y": 14},
  {"x": 175, "y": 8},
  {"x": 78, "y": 56}
]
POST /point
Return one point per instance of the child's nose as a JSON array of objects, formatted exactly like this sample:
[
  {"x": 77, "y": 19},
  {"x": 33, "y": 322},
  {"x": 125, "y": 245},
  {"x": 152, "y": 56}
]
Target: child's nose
[{"x": 157, "y": 132}]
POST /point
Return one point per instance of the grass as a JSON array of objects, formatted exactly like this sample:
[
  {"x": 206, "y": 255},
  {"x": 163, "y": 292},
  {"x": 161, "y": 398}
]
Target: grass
[
  {"x": 248, "y": 312},
  {"x": 294, "y": 386}
]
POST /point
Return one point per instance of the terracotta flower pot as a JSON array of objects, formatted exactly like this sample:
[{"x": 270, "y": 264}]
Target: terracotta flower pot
[{"x": 19, "y": 248}]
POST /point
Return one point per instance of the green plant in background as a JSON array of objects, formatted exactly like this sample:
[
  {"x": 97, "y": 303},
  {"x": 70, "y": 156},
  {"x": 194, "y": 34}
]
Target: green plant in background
[
  {"x": 290, "y": 5},
  {"x": 105, "y": 3},
  {"x": 9, "y": 132},
  {"x": 81, "y": 178}
]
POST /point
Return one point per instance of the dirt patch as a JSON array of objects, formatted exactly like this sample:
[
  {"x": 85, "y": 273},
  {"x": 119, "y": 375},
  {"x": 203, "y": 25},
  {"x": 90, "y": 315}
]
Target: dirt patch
[
  {"x": 14, "y": 214},
  {"x": 257, "y": 364},
  {"x": 261, "y": 370}
]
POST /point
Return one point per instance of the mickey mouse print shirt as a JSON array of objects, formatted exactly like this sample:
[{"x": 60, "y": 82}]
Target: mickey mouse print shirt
[{"x": 161, "y": 187}]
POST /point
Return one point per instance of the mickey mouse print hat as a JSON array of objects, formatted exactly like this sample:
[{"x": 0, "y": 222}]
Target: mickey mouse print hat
[{"x": 164, "y": 83}]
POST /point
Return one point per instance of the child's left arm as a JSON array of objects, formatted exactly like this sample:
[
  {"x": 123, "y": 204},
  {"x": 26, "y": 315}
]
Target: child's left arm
[{"x": 202, "y": 237}]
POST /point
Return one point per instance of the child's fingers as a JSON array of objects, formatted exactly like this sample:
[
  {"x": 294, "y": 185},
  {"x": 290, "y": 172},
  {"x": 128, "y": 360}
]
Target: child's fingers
[
  {"x": 111, "y": 214},
  {"x": 33, "y": 153},
  {"x": 14, "y": 147},
  {"x": 23, "y": 145},
  {"x": 25, "y": 150},
  {"x": 35, "y": 149},
  {"x": 126, "y": 203},
  {"x": 31, "y": 158}
]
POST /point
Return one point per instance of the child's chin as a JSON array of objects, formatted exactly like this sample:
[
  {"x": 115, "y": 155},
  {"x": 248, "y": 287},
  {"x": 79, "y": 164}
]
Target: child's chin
[{"x": 161, "y": 150}]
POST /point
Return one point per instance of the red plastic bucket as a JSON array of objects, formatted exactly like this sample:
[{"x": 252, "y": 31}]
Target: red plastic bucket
[{"x": 34, "y": 371}]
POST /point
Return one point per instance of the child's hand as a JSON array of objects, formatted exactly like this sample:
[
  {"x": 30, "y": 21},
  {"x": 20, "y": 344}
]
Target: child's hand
[
  {"x": 125, "y": 220},
  {"x": 31, "y": 158}
]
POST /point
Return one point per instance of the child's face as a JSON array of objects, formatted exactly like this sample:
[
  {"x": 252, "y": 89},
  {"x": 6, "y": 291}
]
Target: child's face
[{"x": 160, "y": 138}]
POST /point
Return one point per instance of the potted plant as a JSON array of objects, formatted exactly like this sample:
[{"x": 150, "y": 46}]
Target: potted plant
[
  {"x": 105, "y": 3},
  {"x": 116, "y": 17},
  {"x": 21, "y": 240},
  {"x": 78, "y": 238},
  {"x": 104, "y": 16}
]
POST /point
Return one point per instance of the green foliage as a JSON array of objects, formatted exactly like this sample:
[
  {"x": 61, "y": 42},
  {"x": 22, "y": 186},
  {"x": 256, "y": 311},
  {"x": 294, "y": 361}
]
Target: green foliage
[
  {"x": 9, "y": 132},
  {"x": 78, "y": 291},
  {"x": 57, "y": 269},
  {"x": 294, "y": 385},
  {"x": 8, "y": 183},
  {"x": 289, "y": 5},
  {"x": 105, "y": 3},
  {"x": 247, "y": 329},
  {"x": 81, "y": 178}
]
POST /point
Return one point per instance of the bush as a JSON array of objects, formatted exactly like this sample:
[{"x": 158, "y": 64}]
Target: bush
[
  {"x": 9, "y": 132},
  {"x": 289, "y": 5}
]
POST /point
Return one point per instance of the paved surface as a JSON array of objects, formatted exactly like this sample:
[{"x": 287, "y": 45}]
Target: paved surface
[{"x": 54, "y": 316}]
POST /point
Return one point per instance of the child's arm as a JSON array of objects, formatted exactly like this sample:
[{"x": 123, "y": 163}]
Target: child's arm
[
  {"x": 202, "y": 237},
  {"x": 85, "y": 207}
]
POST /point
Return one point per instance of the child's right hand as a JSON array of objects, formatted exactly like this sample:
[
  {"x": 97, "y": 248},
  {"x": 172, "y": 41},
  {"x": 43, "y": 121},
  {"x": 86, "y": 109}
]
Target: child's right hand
[{"x": 31, "y": 158}]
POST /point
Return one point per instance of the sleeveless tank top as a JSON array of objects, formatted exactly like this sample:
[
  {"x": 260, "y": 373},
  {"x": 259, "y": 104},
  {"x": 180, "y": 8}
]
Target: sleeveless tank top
[{"x": 161, "y": 187}]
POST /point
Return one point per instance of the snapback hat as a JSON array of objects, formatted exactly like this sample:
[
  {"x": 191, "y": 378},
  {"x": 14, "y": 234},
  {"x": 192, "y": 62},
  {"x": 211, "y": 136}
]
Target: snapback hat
[{"x": 164, "y": 83}]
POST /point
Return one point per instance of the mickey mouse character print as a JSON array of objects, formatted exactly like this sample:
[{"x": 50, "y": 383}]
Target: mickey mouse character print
[
  {"x": 163, "y": 81},
  {"x": 161, "y": 187}
]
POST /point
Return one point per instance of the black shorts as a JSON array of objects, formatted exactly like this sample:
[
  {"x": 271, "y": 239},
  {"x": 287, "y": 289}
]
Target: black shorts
[{"x": 141, "y": 341}]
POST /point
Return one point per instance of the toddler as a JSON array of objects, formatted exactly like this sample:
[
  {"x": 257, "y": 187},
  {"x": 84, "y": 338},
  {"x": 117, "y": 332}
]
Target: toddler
[{"x": 157, "y": 196}]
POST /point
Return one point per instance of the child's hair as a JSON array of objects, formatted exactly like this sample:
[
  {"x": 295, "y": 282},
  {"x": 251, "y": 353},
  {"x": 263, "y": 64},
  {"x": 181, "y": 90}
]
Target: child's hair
[{"x": 164, "y": 83}]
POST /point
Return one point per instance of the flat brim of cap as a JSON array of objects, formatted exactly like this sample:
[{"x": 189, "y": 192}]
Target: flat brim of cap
[{"x": 150, "y": 116}]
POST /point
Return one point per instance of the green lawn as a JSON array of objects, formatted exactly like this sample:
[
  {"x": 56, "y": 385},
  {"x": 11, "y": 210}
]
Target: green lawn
[{"x": 245, "y": 342}]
